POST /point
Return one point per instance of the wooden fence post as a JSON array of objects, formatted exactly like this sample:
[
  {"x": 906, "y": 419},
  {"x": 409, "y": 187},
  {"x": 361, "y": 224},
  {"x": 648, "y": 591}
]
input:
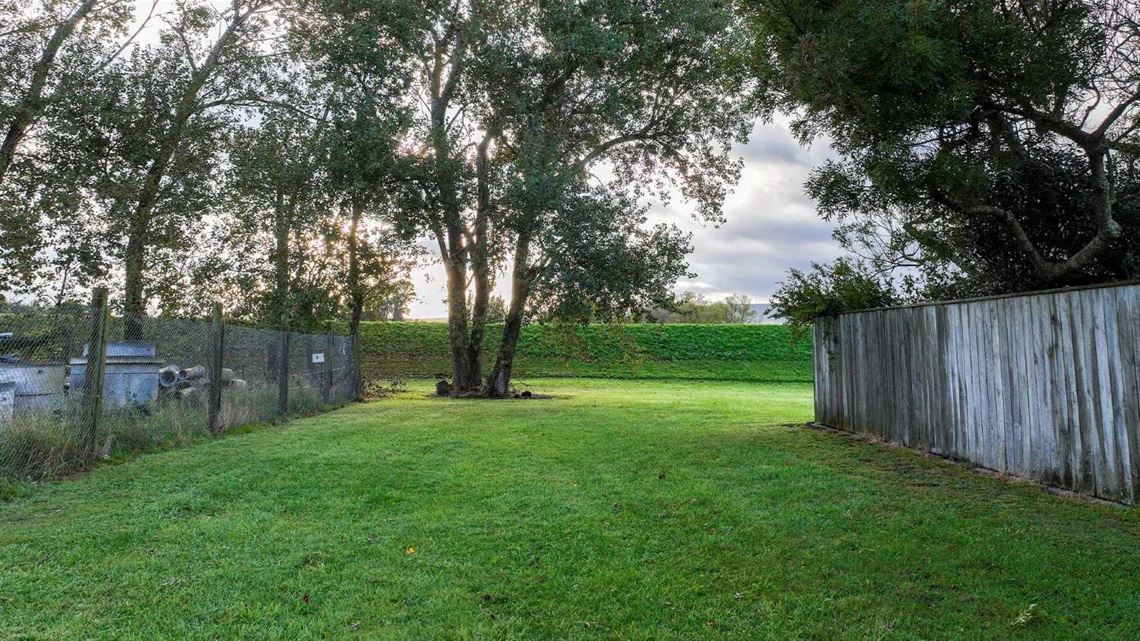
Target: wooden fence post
[
  {"x": 283, "y": 369},
  {"x": 326, "y": 383},
  {"x": 217, "y": 344},
  {"x": 357, "y": 380},
  {"x": 96, "y": 367}
]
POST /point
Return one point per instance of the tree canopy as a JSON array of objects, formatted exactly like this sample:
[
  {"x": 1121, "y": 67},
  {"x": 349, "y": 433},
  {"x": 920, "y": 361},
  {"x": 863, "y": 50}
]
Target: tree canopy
[
  {"x": 984, "y": 146},
  {"x": 291, "y": 155}
]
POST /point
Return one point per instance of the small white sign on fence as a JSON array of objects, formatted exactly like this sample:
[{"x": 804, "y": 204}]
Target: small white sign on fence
[{"x": 319, "y": 357}]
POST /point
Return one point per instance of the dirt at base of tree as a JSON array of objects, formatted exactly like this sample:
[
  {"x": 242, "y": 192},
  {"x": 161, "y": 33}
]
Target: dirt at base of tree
[{"x": 443, "y": 390}]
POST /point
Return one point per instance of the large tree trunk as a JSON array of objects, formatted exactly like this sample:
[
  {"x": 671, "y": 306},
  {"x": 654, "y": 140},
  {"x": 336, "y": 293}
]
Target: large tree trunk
[
  {"x": 454, "y": 255},
  {"x": 281, "y": 259},
  {"x": 450, "y": 228},
  {"x": 356, "y": 291},
  {"x": 33, "y": 103},
  {"x": 499, "y": 382},
  {"x": 134, "y": 308},
  {"x": 147, "y": 198},
  {"x": 456, "y": 268},
  {"x": 134, "y": 303},
  {"x": 480, "y": 264}
]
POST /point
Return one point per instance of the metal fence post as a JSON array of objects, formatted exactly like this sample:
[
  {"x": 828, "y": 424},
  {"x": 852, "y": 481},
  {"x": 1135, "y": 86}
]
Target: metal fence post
[
  {"x": 217, "y": 340},
  {"x": 96, "y": 367},
  {"x": 283, "y": 369},
  {"x": 326, "y": 382}
]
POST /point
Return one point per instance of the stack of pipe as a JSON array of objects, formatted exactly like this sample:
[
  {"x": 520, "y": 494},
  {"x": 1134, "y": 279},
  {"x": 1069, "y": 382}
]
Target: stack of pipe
[{"x": 185, "y": 382}]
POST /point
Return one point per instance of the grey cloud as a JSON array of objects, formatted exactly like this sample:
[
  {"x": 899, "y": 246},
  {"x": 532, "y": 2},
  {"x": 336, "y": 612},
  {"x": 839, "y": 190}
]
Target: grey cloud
[
  {"x": 773, "y": 144},
  {"x": 772, "y": 225}
]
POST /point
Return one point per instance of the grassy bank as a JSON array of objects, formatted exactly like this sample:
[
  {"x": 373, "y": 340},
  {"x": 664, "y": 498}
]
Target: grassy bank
[
  {"x": 629, "y": 510},
  {"x": 762, "y": 353}
]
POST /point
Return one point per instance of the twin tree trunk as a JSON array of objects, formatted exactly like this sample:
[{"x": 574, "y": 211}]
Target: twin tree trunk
[
  {"x": 466, "y": 334},
  {"x": 467, "y": 339},
  {"x": 465, "y": 255}
]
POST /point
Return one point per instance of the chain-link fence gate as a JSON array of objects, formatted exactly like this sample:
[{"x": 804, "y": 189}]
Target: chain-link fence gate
[{"x": 80, "y": 385}]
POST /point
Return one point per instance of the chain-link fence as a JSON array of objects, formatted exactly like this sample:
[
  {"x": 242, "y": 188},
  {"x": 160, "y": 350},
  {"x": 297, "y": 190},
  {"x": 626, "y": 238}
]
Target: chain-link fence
[{"x": 160, "y": 382}]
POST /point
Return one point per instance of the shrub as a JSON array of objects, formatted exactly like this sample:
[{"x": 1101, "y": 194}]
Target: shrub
[{"x": 826, "y": 290}]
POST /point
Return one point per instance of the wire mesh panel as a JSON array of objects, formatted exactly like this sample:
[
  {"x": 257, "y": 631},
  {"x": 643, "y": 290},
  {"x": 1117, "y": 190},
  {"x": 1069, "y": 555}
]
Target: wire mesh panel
[
  {"x": 160, "y": 382},
  {"x": 44, "y": 426},
  {"x": 254, "y": 357}
]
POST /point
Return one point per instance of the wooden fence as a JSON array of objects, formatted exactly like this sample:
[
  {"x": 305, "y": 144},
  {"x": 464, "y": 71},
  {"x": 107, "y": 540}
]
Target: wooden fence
[{"x": 1044, "y": 386}]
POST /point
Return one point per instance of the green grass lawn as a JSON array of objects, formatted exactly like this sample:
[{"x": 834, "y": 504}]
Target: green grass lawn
[{"x": 619, "y": 510}]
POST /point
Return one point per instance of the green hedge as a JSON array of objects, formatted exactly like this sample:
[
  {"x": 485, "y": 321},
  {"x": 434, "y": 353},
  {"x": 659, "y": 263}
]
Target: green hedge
[{"x": 703, "y": 352}]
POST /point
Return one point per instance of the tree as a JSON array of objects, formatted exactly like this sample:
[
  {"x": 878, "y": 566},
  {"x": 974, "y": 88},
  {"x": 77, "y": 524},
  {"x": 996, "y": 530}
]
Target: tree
[
  {"x": 393, "y": 307},
  {"x": 154, "y": 137},
  {"x": 359, "y": 53},
  {"x": 828, "y": 289},
  {"x": 651, "y": 93},
  {"x": 739, "y": 309},
  {"x": 275, "y": 194},
  {"x": 520, "y": 104},
  {"x": 696, "y": 308},
  {"x": 429, "y": 47},
  {"x": 312, "y": 176},
  {"x": 50, "y": 53},
  {"x": 994, "y": 138},
  {"x": 33, "y": 38}
]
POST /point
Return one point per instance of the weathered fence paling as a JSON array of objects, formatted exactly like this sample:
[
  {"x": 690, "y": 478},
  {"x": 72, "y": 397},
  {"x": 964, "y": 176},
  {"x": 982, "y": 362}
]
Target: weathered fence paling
[{"x": 1044, "y": 386}]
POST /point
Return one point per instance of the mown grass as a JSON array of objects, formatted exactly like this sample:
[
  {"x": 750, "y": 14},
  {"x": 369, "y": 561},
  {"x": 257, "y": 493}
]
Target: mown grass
[
  {"x": 617, "y": 510},
  {"x": 760, "y": 353}
]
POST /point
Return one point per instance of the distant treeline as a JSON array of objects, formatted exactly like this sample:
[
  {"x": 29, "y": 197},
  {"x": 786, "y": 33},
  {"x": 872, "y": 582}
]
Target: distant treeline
[{"x": 702, "y": 352}]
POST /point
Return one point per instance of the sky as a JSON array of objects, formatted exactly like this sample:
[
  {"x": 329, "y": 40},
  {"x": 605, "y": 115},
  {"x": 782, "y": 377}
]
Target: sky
[{"x": 771, "y": 227}]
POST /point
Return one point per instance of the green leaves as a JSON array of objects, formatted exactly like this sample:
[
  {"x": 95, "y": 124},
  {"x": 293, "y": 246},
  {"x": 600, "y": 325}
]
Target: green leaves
[
  {"x": 945, "y": 113},
  {"x": 830, "y": 289},
  {"x": 603, "y": 262}
]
